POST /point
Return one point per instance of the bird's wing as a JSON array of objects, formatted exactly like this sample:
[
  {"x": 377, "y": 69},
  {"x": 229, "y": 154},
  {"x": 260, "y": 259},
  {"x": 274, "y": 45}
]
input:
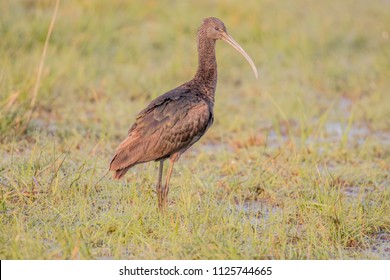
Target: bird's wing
[{"x": 171, "y": 123}]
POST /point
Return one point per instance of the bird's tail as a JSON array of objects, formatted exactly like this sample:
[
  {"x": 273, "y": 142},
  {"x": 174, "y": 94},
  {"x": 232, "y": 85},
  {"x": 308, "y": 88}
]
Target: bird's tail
[
  {"x": 126, "y": 156},
  {"x": 119, "y": 173}
]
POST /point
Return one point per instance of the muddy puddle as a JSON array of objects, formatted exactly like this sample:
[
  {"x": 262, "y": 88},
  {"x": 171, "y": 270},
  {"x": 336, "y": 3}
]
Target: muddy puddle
[{"x": 379, "y": 246}]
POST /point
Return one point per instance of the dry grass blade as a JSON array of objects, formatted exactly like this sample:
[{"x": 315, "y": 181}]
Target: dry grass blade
[{"x": 40, "y": 69}]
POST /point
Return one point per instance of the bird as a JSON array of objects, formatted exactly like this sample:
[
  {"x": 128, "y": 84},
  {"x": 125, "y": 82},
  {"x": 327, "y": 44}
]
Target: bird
[{"x": 177, "y": 119}]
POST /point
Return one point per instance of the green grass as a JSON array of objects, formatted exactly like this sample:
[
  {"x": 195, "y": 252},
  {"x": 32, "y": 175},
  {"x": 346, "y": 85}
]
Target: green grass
[{"x": 296, "y": 165}]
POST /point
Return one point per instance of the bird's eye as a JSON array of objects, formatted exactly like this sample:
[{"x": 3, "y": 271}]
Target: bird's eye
[{"x": 216, "y": 28}]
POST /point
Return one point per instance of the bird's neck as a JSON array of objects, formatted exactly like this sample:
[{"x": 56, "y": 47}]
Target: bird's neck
[{"x": 206, "y": 75}]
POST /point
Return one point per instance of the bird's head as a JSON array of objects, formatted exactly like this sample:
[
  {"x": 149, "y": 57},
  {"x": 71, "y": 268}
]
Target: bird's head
[{"x": 213, "y": 28}]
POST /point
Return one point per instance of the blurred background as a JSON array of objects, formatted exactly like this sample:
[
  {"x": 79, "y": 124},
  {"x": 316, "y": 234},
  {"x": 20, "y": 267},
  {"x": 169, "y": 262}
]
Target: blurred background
[{"x": 107, "y": 59}]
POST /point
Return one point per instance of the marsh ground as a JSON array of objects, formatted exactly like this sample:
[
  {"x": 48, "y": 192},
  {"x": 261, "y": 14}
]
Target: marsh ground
[{"x": 296, "y": 165}]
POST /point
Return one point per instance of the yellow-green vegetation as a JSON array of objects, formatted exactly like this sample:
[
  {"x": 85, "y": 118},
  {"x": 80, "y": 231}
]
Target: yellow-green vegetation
[{"x": 296, "y": 165}]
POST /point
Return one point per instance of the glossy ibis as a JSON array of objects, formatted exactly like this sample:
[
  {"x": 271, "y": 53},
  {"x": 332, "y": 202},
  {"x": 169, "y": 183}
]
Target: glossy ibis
[{"x": 176, "y": 120}]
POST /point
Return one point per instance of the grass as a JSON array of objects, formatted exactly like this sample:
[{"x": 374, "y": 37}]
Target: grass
[{"x": 296, "y": 165}]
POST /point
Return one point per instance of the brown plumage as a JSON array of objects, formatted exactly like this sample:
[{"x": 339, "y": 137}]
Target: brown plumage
[{"x": 176, "y": 120}]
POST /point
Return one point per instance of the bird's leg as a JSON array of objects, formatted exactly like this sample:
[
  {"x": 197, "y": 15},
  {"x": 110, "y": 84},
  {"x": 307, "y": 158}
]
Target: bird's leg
[
  {"x": 159, "y": 188},
  {"x": 166, "y": 187}
]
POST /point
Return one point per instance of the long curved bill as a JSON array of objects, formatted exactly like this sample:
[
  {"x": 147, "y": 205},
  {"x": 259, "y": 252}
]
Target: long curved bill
[{"x": 227, "y": 38}]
